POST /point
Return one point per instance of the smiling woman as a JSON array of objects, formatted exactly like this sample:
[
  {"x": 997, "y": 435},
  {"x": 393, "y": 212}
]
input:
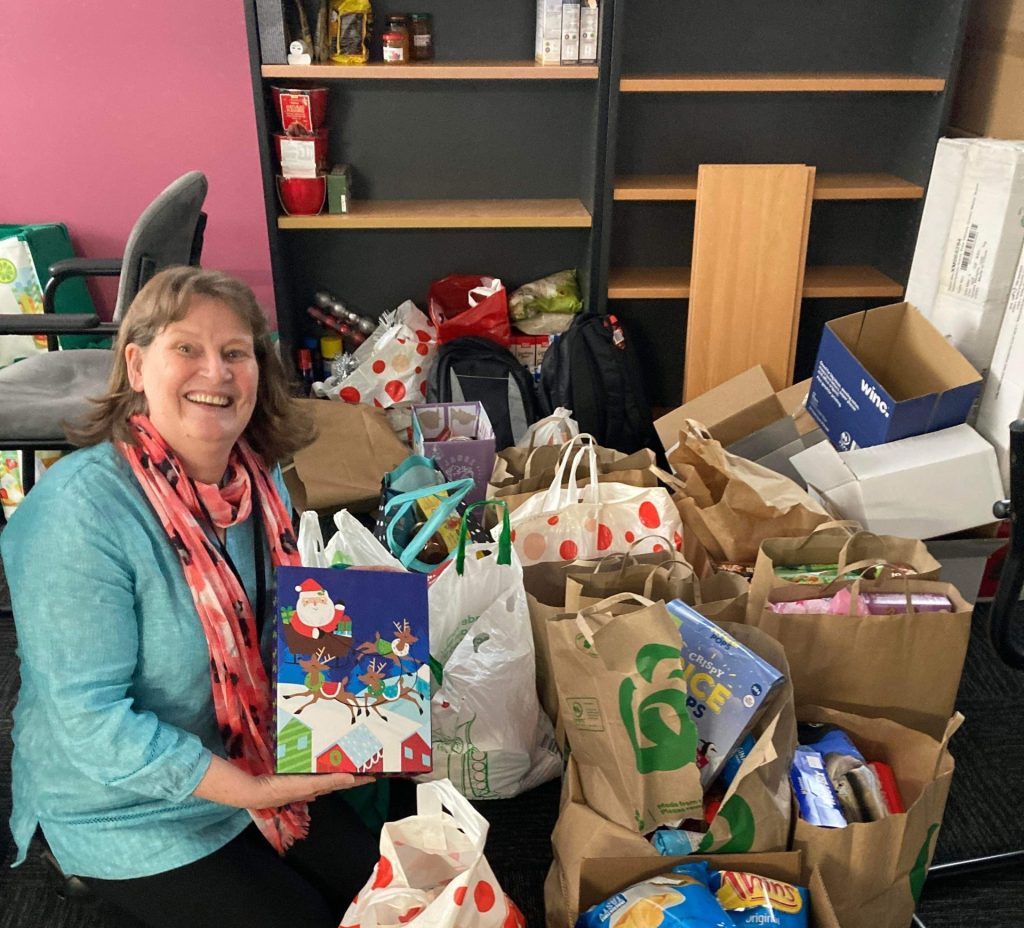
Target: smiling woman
[{"x": 142, "y": 738}]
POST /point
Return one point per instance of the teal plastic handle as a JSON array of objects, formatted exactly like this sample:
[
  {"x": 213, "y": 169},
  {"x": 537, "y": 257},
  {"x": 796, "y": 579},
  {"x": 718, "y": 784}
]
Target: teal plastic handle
[
  {"x": 457, "y": 491},
  {"x": 504, "y": 539}
]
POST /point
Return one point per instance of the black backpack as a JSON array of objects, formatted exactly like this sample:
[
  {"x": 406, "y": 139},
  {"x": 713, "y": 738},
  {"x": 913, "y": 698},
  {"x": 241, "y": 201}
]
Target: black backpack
[
  {"x": 472, "y": 368},
  {"x": 592, "y": 369}
]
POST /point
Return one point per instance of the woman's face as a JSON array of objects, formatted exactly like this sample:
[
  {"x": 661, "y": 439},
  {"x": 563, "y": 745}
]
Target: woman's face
[{"x": 199, "y": 376}]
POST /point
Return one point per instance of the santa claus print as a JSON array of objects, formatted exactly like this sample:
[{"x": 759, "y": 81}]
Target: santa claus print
[{"x": 316, "y": 613}]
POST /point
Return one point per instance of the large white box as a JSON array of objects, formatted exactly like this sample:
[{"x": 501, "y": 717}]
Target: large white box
[
  {"x": 936, "y": 218},
  {"x": 1002, "y": 397},
  {"x": 919, "y": 487},
  {"x": 984, "y": 244}
]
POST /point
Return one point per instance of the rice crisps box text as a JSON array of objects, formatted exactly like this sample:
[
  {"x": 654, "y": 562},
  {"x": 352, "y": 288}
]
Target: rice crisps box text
[
  {"x": 352, "y": 689},
  {"x": 727, "y": 685}
]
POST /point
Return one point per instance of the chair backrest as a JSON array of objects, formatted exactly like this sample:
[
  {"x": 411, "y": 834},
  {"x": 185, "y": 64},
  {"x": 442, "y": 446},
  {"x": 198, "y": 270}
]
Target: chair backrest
[{"x": 163, "y": 236}]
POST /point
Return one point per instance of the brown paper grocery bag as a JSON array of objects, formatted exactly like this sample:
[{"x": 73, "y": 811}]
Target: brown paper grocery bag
[
  {"x": 874, "y": 871},
  {"x": 730, "y": 503},
  {"x": 545, "y": 585},
  {"x": 755, "y": 814},
  {"x": 622, "y": 697},
  {"x": 519, "y": 473},
  {"x": 343, "y": 467},
  {"x": 904, "y": 667},
  {"x": 672, "y": 580},
  {"x": 843, "y": 544}
]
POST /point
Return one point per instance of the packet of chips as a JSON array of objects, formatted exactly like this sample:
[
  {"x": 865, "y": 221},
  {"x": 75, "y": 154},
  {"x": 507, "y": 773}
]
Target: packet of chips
[
  {"x": 680, "y": 899},
  {"x": 752, "y": 900}
]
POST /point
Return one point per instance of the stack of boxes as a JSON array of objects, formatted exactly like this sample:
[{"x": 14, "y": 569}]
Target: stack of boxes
[{"x": 567, "y": 31}]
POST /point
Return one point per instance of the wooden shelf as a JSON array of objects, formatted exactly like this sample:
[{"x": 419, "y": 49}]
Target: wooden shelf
[
  {"x": 673, "y": 283},
  {"x": 826, "y": 187},
  {"x": 449, "y": 214},
  {"x": 434, "y": 70},
  {"x": 781, "y": 82}
]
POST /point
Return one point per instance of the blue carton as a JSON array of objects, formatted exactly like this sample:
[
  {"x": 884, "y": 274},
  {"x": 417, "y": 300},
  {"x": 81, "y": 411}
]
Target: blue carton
[
  {"x": 727, "y": 686},
  {"x": 886, "y": 374}
]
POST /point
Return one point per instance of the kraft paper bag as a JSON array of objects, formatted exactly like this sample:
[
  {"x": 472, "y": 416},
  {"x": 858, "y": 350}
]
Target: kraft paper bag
[
  {"x": 844, "y": 544},
  {"x": 874, "y": 871},
  {"x": 354, "y": 447},
  {"x": 670, "y": 580},
  {"x": 904, "y": 667},
  {"x": 732, "y": 504},
  {"x": 520, "y": 473},
  {"x": 545, "y": 585},
  {"x": 619, "y": 678}
]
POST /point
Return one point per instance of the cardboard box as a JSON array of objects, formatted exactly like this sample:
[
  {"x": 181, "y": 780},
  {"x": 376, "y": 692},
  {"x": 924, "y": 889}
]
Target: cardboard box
[
  {"x": 570, "y": 53},
  {"x": 886, "y": 374},
  {"x": 352, "y": 682},
  {"x": 919, "y": 487},
  {"x": 1002, "y": 399},
  {"x": 460, "y": 438},
  {"x": 964, "y": 560},
  {"x": 548, "y": 46},
  {"x": 590, "y": 27},
  {"x": 339, "y": 189},
  {"x": 987, "y": 99},
  {"x": 602, "y": 877},
  {"x": 982, "y": 250},
  {"x": 730, "y": 411},
  {"x": 936, "y": 218}
]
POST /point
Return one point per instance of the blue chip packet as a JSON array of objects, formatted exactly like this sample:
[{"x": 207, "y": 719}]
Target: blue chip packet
[{"x": 679, "y": 899}]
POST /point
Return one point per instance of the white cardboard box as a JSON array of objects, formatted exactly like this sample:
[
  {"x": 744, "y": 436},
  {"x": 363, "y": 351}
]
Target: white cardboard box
[
  {"x": 984, "y": 244},
  {"x": 548, "y": 46},
  {"x": 918, "y": 487},
  {"x": 1002, "y": 397},
  {"x": 936, "y": 218}
]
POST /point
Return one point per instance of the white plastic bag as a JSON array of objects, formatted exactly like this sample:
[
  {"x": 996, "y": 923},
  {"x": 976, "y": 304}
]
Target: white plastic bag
[
  {"x": 490, "y": 736},
  {"x": 556, "y": 429},
  {"x": 353, "y": 545},
  {"x": 432, "y": 872}
]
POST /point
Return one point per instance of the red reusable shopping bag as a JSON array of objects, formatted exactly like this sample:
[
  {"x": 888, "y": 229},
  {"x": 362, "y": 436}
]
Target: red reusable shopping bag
[{"x": 468, "y": 304}]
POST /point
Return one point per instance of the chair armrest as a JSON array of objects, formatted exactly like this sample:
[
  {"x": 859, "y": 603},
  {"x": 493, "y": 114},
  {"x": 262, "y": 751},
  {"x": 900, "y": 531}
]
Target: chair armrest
[
  {"x": 77, "y": 267},
  {"x": 32, "y": 324}
]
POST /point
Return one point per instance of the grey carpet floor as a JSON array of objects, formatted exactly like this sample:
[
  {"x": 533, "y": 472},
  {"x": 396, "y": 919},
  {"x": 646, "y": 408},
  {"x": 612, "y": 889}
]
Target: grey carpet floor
[{"x": 985, "y": 815}]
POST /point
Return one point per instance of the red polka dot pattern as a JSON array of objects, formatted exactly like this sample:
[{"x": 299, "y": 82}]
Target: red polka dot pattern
[
  {"x": 567, "y": 550},
  {"x": 460, "y": 895},
  {"x": 378, "y": 366},
  {"x": 385, "y": 874},
  {"x": 604, "y": 537},
  {"x": 396, "y": 390},
  {"x": 553, "y": 520},
  {"x": 350, "y": 395},
  {"x": 649, "y": 517},
  {"x": 483, "y": 896}
]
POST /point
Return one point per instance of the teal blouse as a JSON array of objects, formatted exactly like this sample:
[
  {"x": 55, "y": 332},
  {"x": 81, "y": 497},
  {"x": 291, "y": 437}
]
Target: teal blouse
[{"x": 114, "y": 725}]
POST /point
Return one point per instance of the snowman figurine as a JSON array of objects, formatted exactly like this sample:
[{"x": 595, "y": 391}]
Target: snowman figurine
[{"x": 299, "y": 54}]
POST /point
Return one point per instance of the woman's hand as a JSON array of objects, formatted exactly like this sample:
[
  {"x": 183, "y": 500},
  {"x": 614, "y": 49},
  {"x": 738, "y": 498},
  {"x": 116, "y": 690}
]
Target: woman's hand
[
  {"x": 225, "y": 783},
  {"x": 275, "y": 790}
]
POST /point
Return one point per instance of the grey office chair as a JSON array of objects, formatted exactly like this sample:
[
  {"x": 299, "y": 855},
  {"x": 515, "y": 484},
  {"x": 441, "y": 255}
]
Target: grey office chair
[{"x": 45, "y": 390}]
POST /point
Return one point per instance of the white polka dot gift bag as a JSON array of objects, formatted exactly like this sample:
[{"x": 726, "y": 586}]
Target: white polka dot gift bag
[
  {"x": 393, "y": 362},
  {"x": 571, "y": 522},
  {"x": 432, "y": 872}
]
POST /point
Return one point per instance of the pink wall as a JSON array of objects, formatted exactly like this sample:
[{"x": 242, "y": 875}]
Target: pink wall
[{"x": 105, "y": 103}]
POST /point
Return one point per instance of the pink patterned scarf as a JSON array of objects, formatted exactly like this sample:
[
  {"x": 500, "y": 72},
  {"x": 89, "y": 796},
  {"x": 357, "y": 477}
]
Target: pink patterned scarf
[{"x": 241, "y": 690}]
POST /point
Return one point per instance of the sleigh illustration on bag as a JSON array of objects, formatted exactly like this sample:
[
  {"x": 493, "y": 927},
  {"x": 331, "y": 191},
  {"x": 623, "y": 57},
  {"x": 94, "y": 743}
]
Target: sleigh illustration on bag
[{"x": 352, "y": 689}]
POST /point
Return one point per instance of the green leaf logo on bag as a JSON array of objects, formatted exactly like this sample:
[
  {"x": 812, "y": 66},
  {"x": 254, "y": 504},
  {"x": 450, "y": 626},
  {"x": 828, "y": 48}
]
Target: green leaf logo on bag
[
  {"x": 919, "y": 872},
  {"x": 670, "y": 746},
  {"x": 8, "y": 272},
  {"x": 737, "y": 815}
]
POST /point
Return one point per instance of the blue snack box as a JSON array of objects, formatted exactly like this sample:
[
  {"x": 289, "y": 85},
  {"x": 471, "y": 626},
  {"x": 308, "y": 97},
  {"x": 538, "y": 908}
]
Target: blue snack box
[
  {"x": 815, "y": 795},
  {"x": 727, "y": 686}
]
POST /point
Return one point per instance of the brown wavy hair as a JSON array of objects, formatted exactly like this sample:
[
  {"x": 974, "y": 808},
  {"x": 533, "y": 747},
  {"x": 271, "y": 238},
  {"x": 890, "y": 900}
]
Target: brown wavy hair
[{"x": 277, "y": 429}]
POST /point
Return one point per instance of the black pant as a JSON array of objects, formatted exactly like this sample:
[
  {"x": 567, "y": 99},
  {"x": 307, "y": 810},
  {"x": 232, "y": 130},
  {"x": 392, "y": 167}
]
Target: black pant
[{"x": 246, "y": 884}]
